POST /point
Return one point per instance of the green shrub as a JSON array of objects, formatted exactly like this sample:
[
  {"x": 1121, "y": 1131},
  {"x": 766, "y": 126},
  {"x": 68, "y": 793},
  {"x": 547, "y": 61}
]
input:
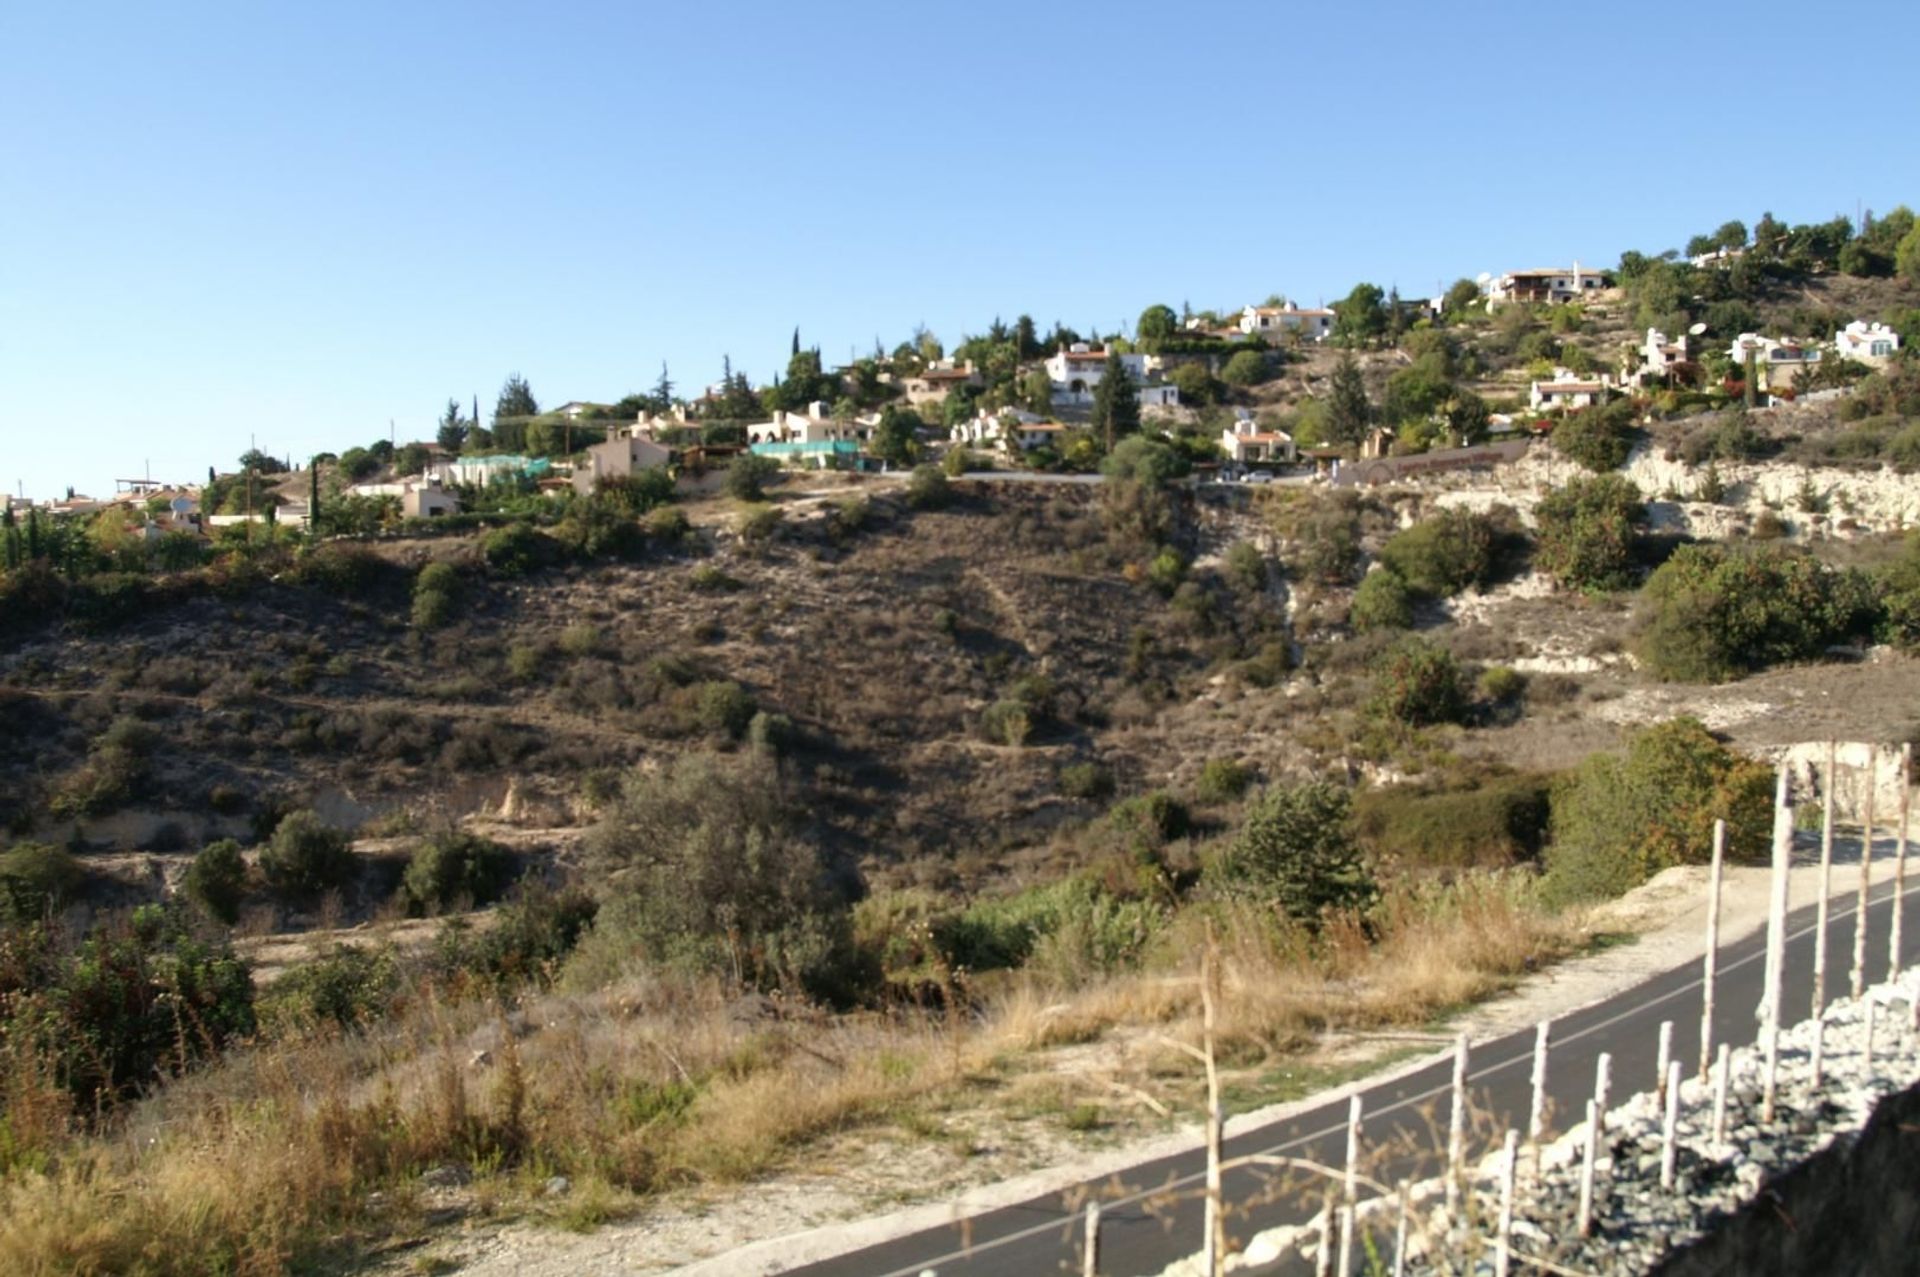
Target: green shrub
[
  {"x": 1086, "y": 781},
  {"x": 718, "y": 874},
  {"x": 927, "y": 486},
  {"x": 436, "y": 594},
  {"x": 748, "y": 475},
  {"x": 305, "y": 857},
  {"x": 217, "y": 880},
  {"x": 1713, "y": 612},
  {"x": 346, "y": 986},
  {"x": 456, "y": 868},
  {"x": 1222, "y": 780},
  {"x": 710, "y": 578},
  {"x": 1443, "y": 555},
  {"x": 36, "y": 879},
  {"x": 1296, "y": 853},
  {"x": 1006, "y": 723},
  {"x": 514, "y": 550},
  {"x": 1501, "y": 821},
  {"x": 1382, "y": 602},
  {"x": 580, "y": 640},
  {"x": 1146, "y": 822},
  {"x": 139, "y": 1000},
  {"x": 770, "y": 733},
  {"x": 1599, "y": 438},
  {"x": 525, "y": 661},
  {"x": 1418, "y": 683},
  {"x": 761, "y": 523},
  {"x": 1899, "y": 586},
  {"x": 1245, "y": 567},
  {"x": 1502, "y": 684},
  {"x": 723, "y": 707},
  {"x": 1586, "y": 533},
  {"x": 956, "y": 463},
  {"x": 1166, "y": 571},
  {"x": 667, "y": 524},
  {"x": 1618, "y": 820}
]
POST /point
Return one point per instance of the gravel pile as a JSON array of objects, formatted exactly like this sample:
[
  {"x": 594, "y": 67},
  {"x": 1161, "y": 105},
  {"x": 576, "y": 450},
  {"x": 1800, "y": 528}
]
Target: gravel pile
[{"x": 1637, "y": 1222}]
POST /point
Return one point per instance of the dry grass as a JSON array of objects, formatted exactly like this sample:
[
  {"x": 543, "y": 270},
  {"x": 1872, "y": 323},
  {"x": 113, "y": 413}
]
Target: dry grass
[{"x": 277, "y": 1153}]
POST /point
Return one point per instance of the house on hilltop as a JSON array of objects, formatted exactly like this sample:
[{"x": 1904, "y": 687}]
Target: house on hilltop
[
  {"x": 1567, "y": 390},
  {"x": 1077, "y": 370},
  {"x": 627, "y": 451},
  {"x": 1870, "y": 343},
  {"x": 1552, "y": 285},
  {"x": 1274, "y": 322},
  {"x": 1244, "y": 442},
  {"x": 1777, "y": 363},
  {"x": 937, "y": 380},
  {"x": 1663, "y": 359}
]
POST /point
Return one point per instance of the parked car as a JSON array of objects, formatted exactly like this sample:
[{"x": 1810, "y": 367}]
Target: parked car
[{"x": 1258, "y": 476}]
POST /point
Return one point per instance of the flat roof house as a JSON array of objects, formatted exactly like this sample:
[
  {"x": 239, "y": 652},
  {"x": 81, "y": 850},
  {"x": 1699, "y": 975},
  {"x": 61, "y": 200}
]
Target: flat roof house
[
  {"x": 1552, "y": 285},
  {"x": 1274, "y": 322},
  {"x": 626, "y": 452}
]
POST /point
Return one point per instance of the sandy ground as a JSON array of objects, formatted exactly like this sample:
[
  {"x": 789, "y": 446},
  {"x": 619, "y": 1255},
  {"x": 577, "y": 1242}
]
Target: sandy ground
[{"x": 773, "y": 1225}]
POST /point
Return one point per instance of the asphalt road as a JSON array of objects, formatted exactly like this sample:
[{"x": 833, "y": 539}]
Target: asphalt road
[{"x": 1151, "y": 1214}]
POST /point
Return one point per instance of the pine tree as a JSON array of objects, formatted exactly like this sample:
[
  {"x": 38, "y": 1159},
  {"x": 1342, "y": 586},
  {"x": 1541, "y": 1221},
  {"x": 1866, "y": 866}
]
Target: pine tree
[
  {"x": 1116, "y": 401},
  {"x": 453, "y": 427},
  {"x": 796, "y": 340},
  {"x": 516, "y": 400},
  {"x": 1348, "y": 413},
  {"x": 663, "y": 390}
]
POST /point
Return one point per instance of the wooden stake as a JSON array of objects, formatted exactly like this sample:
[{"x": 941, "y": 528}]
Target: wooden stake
[
  {"x": 1669, "y": 1127},
  {"x": 1591, "y": 1157},
  {"x": 1773, "y": 1071},
  {"x": 1216, "y": 1215},
  {"x": 1350, "y": 1187},
  {"x": 1826, "y": 881},
  {"x": 1819, "y": 1051},
  {"x": 1503, "y": 1243},
  {"x": 1660, "y": 1062},
  {"x": 1777, "y": 914},
  {"x": 1900, "y": 863},
  {"x": 1602, "y": 1084},
  {"x": 1537, "y": 1111},
  {"x": 1866, "y": 877},
  {"x": 1722, "y": 1074},
  {"x": 1866, "y": 1041},
  {"x": 1713, "y": 944},
  {"x": 1457, "y": 1126},
  {"x": 1323, "y": 1261},
  {"x": 1400, "y": 1231},
  {"x": 1090, "y": 1250}
]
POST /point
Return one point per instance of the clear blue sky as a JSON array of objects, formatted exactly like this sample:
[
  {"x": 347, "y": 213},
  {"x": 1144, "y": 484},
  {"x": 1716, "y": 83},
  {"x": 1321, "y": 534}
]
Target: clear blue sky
[{"x": 299, "y": 222}]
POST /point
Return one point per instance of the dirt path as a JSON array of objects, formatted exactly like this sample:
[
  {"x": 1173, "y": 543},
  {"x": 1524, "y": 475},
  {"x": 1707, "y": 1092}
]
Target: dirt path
[{"x": 828, "y": 1208}]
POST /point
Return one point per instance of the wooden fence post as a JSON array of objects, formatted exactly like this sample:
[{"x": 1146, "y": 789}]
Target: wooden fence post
[
  {"x": 1669, "y": 1126},
  {"x": 1090, "y": 1251},
  {"x": 1826, "y": 881},
  {"x": 1457, "y": 1126},
  {"x": 1859, "y": 982},
  {"x": 1350, "y": 1187},
  {"x": 1900, "y": 862},
  {"x": 1713, "y": 944},
  {"x": 1503, "y": 1244},
  {"x": 1590, "y": 1157},
  {"x": 1723, "y": 1069}
]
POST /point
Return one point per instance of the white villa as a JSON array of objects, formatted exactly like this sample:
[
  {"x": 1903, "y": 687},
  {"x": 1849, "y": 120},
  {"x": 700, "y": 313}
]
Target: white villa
[
  {"x": 1658, "y": 356},
  {"x": 1777, "y": 363},
  {"x": 816, "y": 425},
  {"x": 1567, "y": 390},
  {"x": 1009, "y": 426},
  {"x": 1274, "y": 322},
  {"x": 1245, "y": 441},
  {"x": 1076, "y": 370},
  {"x": 1551, "y": 284},
  {"x": 1872, "y": 344}
]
